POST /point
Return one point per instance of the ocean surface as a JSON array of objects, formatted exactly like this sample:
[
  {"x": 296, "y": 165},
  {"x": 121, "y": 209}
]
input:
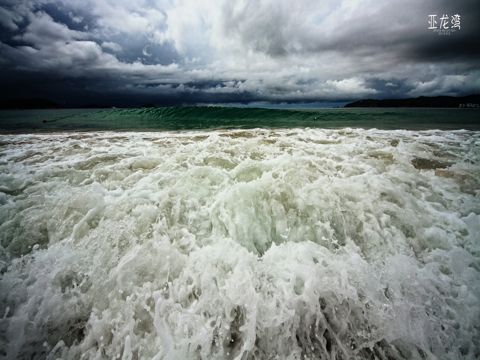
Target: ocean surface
[
  {"x": 240, "y": 234},
  {"x": 202, "y": 118}
]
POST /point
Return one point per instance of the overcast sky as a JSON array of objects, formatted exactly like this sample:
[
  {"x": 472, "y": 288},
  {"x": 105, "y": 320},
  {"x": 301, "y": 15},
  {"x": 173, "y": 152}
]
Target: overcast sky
[{"x": 134, "y": 52}]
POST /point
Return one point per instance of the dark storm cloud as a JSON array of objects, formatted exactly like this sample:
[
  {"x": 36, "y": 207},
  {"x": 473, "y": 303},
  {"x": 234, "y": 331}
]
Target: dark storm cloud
[
  {"x": 182, "y": 51},
  {"x": 460, "y": 47},
  {"x": 393, "y": 88}
]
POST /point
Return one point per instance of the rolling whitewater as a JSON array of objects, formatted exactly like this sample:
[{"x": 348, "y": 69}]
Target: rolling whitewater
[{"x": 223, "y": 233}]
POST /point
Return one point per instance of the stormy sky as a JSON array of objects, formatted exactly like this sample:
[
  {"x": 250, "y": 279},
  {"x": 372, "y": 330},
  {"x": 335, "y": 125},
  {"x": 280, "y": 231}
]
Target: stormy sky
[{"x": 134, "y": 52}]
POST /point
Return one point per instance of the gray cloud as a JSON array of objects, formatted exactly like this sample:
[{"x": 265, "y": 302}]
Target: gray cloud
[{"x": 243, "y": 50}]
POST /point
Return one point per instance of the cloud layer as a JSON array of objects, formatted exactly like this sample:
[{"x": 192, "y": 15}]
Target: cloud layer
[{"x": 190, "y": 51}]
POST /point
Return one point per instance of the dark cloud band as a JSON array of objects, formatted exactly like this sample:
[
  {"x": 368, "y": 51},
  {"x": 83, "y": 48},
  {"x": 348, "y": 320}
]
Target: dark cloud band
[{"x": 192, "y": 51}]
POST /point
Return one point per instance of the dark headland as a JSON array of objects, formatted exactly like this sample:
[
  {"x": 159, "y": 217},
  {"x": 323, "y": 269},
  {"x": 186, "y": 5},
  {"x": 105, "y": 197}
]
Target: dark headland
[
  {"x": 470, "y": 101},
  {"x": 35, "y": 103}
]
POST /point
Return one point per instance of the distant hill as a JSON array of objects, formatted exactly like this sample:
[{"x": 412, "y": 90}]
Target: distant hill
[
  {"x": 28, "y": 104},
  {"x": 470, "y": 101}
]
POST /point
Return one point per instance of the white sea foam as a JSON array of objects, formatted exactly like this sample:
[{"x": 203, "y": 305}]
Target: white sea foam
[{"x": 258, "y": 244}]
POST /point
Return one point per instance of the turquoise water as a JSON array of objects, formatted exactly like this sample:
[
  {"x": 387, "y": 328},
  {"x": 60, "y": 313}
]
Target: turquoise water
[{"x": 190, "y": 118}]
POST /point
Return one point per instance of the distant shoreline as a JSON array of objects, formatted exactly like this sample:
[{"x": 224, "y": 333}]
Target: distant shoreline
[
  {"x": 438, "y": 102},
  {"x": 463, "y": 102}
]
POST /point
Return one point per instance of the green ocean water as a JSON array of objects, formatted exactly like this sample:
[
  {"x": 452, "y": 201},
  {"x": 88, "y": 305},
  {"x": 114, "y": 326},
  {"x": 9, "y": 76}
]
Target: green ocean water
[{"x": 191, "y": 118}]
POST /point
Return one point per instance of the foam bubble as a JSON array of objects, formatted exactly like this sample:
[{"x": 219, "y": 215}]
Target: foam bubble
[{"x": 240, "y": 244}]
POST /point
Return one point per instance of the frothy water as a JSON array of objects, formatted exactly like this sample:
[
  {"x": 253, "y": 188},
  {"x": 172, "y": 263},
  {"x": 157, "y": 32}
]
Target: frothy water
[{"x": 240, "y": 244}]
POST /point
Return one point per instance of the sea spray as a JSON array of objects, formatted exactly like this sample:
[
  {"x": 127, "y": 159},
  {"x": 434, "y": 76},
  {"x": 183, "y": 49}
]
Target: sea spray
[{"x": 233, "y": 244}]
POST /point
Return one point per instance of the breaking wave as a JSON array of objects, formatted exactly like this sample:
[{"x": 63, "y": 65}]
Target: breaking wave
[
  {"x": 240, "y": 244},
  {"x": 216, "y": 117}
]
